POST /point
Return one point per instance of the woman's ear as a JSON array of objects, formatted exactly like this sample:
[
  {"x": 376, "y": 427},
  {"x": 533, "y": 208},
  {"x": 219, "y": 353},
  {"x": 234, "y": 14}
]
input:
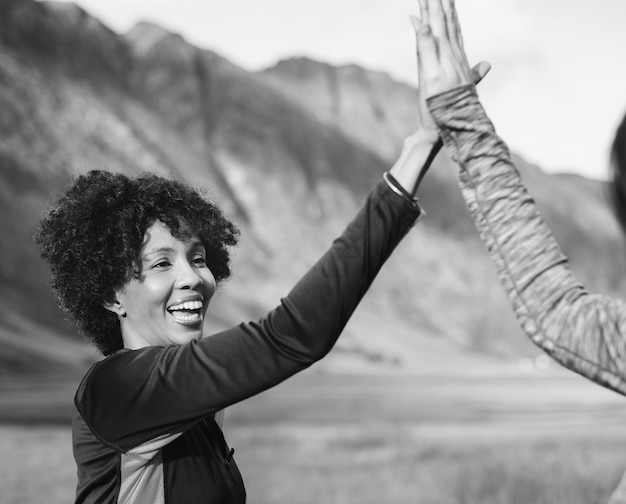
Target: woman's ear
[{"x": 112, "y": 303}]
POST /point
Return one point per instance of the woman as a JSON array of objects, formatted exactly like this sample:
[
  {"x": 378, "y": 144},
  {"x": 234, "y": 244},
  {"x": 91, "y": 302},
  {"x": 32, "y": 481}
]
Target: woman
[
  {"x": 582, "y": 331},
  {"x": 135, "y": 262}
]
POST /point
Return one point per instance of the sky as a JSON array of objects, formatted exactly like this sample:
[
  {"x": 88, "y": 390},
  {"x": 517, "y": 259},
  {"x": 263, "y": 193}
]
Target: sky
[{"x": 556, "y": 92}]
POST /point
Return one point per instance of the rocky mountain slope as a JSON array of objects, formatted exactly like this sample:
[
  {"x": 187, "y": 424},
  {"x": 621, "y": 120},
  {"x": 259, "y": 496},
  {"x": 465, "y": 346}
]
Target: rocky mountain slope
[{"x": 289, "y": 153}]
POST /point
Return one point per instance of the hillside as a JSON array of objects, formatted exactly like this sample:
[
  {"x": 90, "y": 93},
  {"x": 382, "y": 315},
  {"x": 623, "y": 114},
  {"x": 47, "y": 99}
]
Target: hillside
[{"x": 289, "y": 153}]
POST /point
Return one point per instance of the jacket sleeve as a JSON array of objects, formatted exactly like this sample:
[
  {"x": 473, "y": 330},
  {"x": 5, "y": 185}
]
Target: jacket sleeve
[
  {"x": 135, "y": 396},
  {"x": 584, "y": 332}
]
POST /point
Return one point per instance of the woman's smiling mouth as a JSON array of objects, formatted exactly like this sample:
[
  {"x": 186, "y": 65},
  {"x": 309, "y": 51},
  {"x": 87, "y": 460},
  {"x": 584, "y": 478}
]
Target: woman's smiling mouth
[{"x": 187, "y": 312}]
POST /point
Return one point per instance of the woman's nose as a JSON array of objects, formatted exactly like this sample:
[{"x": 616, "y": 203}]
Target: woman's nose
[{"x": 188, "y": 277}]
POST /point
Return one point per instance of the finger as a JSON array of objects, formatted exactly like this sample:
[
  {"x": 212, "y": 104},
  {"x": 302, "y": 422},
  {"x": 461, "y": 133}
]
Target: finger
[
  {"x": 448, "y": 14},
  {"x": 425, "y": 46},
  {"x": 456, "y": 35},
  {"x": 437, "y": 20},
  {"x": 479, "y": 71},
  {"x": 417, "y": 26},
  {"x": 428, "y": 53},
  {"x": 424, "y": 12}
]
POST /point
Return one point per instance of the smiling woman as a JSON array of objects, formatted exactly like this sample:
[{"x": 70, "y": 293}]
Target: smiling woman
[{"x": 136, "y": 262}]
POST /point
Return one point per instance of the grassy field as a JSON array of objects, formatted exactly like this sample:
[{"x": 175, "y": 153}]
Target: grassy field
[{"x": 379, "y": 440}]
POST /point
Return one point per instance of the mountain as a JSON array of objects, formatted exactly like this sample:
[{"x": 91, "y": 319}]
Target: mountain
[
  {"x": 371, "y": 108},
  {"x": 289, "y": 153}
]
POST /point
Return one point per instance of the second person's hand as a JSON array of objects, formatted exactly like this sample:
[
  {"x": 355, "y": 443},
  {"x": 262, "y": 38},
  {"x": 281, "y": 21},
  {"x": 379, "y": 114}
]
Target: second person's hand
[{"x": 441, "y": 56}]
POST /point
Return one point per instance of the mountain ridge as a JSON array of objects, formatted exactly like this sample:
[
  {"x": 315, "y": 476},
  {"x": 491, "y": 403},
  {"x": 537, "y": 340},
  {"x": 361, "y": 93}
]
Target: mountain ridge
[{"x": 289, "y": 156}]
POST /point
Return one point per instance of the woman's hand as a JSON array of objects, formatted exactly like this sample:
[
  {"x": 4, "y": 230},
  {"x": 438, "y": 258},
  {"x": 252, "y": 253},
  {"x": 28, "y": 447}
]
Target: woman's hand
[
  {"x": 441, "y": 66},
  {"x": 442, "y": 63}
]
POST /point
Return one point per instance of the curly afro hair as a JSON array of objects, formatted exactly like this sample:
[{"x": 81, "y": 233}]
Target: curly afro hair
[{"x": 92, "y": 238}]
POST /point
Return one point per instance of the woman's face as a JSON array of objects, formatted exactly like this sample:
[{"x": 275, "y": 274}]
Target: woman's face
[{"x": 167, "y": 303}]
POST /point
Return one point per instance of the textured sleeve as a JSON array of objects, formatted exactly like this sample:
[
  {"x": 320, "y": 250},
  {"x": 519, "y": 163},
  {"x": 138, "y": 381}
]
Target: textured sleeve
[
  {"x": 584, "y": 332},
  {"x": 136, "y": 396}
]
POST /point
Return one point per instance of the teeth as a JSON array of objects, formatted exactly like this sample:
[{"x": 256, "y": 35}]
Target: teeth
[
  {"x": 187, "y": 317},
  {"x": 187, "y": 305}
]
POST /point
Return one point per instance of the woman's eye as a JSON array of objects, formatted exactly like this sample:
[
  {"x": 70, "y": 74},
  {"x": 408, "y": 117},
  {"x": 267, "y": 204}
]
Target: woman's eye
[
  {"x": 161, "y": 264},
  {"x": 200, "y": 261}
]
